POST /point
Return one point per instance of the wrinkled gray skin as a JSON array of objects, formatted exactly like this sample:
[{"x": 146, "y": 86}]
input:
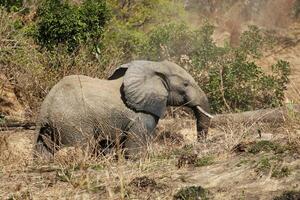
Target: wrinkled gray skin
[{"x": 124, "y": 109}]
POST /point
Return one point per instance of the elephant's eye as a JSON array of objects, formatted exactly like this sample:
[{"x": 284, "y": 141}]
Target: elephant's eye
[{"x": 185, "y": 84}]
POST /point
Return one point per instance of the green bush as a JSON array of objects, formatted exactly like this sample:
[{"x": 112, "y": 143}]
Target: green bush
[
  {"x": 169, "y": 41},
  {"x": 146, "y": 14},
  {"x": 229, "y": 75},
  {"x": 11, "y": 5},
  {"x": 205, "y": 53},
  {"x": 61, "y": 23},
  {"x": 241, "y": 85},
  {"x": 123, "y": 42},
  {"x": 236, "y": 83},
  {"x": 128, "y": 34},
  {"x": 192, "y": 192}
]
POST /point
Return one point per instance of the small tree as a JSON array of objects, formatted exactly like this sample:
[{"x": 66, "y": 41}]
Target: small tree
[{"x": 61, "y": 23}]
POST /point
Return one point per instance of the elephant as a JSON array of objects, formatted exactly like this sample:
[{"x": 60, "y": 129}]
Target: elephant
[{"x": 123, "y": 109}]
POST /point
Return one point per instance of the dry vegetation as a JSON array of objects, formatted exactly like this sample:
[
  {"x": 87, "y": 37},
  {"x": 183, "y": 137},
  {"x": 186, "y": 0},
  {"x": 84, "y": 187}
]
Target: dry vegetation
[
  {"x": 256, "y": 161},
  {"x": 236, "y": 161}
]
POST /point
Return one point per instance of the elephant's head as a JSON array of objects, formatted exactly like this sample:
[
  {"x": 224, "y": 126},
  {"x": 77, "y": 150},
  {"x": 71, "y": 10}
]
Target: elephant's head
[{"x": 152, "y": 86}]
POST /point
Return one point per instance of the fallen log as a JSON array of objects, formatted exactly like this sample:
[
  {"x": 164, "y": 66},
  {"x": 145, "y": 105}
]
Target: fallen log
[
  {"x": 12, "y": 124},
  {"x": 271, "y": 115}
]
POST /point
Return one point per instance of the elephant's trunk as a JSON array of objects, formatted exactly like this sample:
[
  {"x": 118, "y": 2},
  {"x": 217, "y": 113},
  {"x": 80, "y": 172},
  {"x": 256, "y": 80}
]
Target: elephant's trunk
[{"x": 202, "y": 121}]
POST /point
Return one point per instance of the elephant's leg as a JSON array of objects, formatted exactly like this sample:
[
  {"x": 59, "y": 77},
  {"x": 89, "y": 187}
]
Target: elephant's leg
[
  {"x": 41, "y": 151},
  {"x": 45, "y": 143},
  {"x": 140, "y": 133}
]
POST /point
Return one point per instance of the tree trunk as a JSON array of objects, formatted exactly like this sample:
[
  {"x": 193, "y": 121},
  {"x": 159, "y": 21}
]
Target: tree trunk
[
  {"x": 11, "y": 124},
  {"x": 272, "y": 115}
]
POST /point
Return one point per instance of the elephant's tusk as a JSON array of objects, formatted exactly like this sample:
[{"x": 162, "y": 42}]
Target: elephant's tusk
[{"x": 204, "y": 112}]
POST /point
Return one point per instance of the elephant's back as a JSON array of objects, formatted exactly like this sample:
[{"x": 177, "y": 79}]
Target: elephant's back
[
  {"x": 82, "y": 90},
  {"x": 83, "y": 102}
]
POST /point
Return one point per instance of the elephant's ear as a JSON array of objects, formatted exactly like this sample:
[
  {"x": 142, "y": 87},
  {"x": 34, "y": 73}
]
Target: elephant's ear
[
  {"x": 119, "y": 72},
  {"x": 145, "y": 88}
]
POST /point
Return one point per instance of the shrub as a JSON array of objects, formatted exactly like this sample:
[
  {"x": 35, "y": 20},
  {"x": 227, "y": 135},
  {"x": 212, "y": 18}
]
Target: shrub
[
  {"x": 267, "y": 146},
  {"x": 146, "y": 14},
  {"x": 242, "y": 85},
  {"x": 169, "y": 41},
  {"x": 192, "y": 192},
  {"x": 229, "y": 75},
  {"x": 234, "y": 81},
  {"x": 281, "y": 173},
  {"x": 204, "y": 52},
  {"x": 123, "y": 42},
  {"x": 128, "y": 33},
  {"x": 70, "y": 25},
  {"x": 11, "y": 5}
]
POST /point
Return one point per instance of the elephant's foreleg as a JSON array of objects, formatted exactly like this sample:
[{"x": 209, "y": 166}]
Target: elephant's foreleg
[
  {"x": 44, "y": 138},
  {"x": 139, "y": 134},
  {"x": 41, "y": 151}
]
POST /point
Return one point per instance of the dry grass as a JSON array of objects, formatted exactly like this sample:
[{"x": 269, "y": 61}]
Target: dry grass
[{"x": 220, "y": 161}]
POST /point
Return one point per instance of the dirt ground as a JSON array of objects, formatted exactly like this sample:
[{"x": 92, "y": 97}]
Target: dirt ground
[{"x": 241, "y": 162}]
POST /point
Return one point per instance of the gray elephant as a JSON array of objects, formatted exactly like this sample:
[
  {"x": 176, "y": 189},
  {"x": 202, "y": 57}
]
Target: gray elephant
[{"x": 124, "y": 109}]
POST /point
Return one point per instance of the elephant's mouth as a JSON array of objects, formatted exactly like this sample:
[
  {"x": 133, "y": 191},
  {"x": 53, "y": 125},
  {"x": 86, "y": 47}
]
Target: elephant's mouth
[{"x": 202, "y": 121}]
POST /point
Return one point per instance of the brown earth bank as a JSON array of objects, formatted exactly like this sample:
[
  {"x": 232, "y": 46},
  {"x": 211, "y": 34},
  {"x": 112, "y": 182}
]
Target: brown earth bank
[{"x": 9, "y": 101}]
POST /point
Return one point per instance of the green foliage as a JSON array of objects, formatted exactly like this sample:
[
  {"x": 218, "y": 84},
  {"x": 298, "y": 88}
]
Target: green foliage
[
  {"x": 168, "y": 40},
  {"x": 64, "y": 175},
  {"x": 125, "y": 42},
  {"x": 281, "y": 173},
  {"x": 266, "y": 146},
  {"x": 70, "y": 25},
  {"x": 192, "y": 192},
  {"x": 129, "y": 34},
  {"x": 204, "y": 52},
  {"x": 263, "y": 165},
  {"x": 204, "y": 161},
  {"x": 11, "y": 5},
  {"x": 242, "y": 85},
  {"x": 145, "y": 14},
  {"x": 236, "y": 83},
  {"x": 94, "y": 14},
  {"x": 250, "y": 42},
  {"x": 242, "y": 162}
]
